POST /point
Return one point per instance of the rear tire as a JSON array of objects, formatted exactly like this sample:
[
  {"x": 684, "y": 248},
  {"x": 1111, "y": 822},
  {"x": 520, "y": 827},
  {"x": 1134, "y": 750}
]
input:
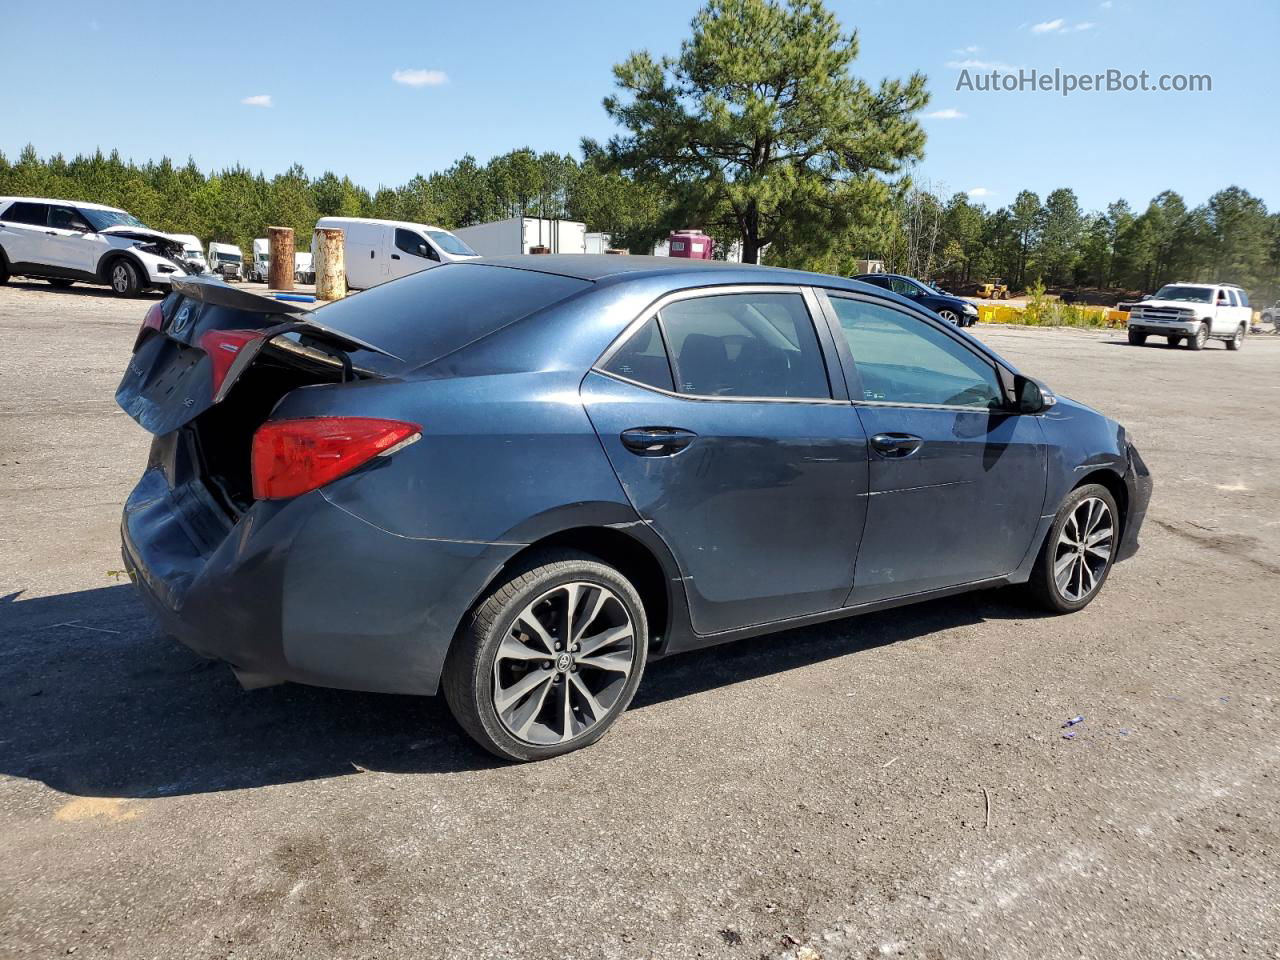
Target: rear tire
[
  {"x": 1137, "y": 339},
  {"x": 523, "y": 631},
  {"x": 1236, "y": 342},
  {"x": 124, "y": 280},
  {"x": 60, "y": 283},
  {"x": 4, "y": 268},
  {"x": 1078, "y": 553},
  {"x": 1198, "y": 339}
]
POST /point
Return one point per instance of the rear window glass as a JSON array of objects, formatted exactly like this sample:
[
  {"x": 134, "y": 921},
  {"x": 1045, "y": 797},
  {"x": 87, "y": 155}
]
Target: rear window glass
[
  {"x": 30, "y": 213},
  {"x": 436, "y": 311},
  {"x": 643, "y": 358}
]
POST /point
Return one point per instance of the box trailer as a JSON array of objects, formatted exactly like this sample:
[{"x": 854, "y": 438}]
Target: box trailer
[{"x": 502, "y": 238}]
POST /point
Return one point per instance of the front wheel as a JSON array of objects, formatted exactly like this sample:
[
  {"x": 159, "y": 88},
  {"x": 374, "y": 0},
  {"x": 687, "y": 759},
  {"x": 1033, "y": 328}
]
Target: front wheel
[
  {"x": 951, "y": 317},
  {"x": 1236, "y": 342},
  {"x": 1077, "y": 554},
  {"x": 1198, "y": 339},
  {"x": 124, "y": 279},
  {"x": 549, "y": 659},
  {"x": 1137, "y": 339}
]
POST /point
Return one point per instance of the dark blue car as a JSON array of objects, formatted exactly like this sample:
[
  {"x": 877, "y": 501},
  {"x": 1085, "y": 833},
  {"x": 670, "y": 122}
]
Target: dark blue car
[
  {"x": 517, "y": 480},
  {"x": 954, "y": 310}
]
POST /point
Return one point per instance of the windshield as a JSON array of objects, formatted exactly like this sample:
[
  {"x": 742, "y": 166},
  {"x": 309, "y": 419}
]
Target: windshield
[
  {"x": 1189, "y": 294},
  {"x": 102, "y": 219},
  {"x": 192, "y": 253},
  {"x": 450, "y": 244},
  {"x": 228, "y": 257},
  {"x": 436, "y": 311}
]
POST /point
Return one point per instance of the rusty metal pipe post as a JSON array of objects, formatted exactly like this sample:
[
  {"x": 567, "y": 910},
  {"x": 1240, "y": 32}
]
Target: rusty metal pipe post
[
  {"x": 281, "y": 246},
  {"x": 331, "y": 264}
]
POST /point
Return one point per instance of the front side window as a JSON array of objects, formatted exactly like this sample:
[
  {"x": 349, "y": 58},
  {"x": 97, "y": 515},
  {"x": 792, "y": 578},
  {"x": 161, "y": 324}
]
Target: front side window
[
  {"x": 413, "y": 243},
  {"x": 904, "y": 359},
  {"x": 904, "y": 287},
  {"x": 1244, "y": 298},
  {"x": 64, "y": 218},
  {"x": 31, "y": 214},
  {"x": 745, "y": 345}
]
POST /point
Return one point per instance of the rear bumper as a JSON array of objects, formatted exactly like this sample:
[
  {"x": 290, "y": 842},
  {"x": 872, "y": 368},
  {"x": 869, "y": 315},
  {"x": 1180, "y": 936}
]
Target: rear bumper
[
  {"x": 1137, "y": 481},
  {"x": 303, "y": 590}
]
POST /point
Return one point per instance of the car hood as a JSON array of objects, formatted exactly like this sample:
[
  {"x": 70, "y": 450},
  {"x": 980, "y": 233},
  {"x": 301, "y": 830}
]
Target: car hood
[
  {"x": 1171, "y": 304},
  {"x": 140, "y": 233}
]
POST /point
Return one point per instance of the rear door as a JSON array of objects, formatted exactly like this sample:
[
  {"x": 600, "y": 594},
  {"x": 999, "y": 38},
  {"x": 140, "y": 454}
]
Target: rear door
[
  {"x": 22, "y": 232},
  {"x": 725, "y": 431},
  {"x": 957, "y": 482}
]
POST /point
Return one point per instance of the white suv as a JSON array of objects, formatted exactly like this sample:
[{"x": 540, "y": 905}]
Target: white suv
[
  {"x": 1194, "y": 312},
  {"x": 63, "y": 241}
]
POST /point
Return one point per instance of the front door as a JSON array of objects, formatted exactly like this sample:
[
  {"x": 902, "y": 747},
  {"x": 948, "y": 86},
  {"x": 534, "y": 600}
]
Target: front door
[
  {"x": 722, "y": 426},
  {"x": 957, "y": 481},
  {"x": 67, "y": 241}
]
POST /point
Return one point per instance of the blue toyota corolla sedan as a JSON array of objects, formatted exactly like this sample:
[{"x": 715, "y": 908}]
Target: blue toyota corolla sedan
[{"x": 518, "y": 480}]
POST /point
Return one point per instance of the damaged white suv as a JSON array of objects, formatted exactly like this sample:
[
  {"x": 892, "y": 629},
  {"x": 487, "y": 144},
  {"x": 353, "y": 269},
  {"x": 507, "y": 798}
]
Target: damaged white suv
[
  {"x": 1192, "y": 312},
  {"x": 63, "y": 241}
]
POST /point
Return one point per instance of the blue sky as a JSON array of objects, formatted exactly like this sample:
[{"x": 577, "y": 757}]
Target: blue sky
[{"x": 485, "y": 77}]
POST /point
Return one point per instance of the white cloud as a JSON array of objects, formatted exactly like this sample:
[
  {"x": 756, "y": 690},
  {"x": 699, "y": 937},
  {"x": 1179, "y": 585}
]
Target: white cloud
[
  {"x": 1105, "y": 5},
  {"x": 964, "y": 51},
  {"x": 1049, "y": 26},
  {"x": 420, "y": 78},
  {"x": 977, "y": 193},
  {"x": 980, "y": 65},
  {"x": 1084, "y": 25},
  {"x": 259, "y": 100},
  {"x": 947, "y": 113}
]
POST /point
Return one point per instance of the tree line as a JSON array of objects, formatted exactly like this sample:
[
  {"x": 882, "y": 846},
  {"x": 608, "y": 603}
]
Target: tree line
[{"x": 1230, "y": 238}]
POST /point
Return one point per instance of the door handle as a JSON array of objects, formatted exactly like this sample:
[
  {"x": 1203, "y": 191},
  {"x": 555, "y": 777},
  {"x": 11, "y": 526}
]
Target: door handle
[
  {"x": 657, "y": 441},
  {"x": 395, "y": 256},
  {"x": 895, "y": 446}
]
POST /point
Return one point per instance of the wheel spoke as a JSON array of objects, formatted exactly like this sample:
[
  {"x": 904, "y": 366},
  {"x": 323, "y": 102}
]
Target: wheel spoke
[
  {"x": 612, "y": 662},
  {"x": 1098, "y": 535},
  {"x": 597, "y": 711},
  {"x": 513, "y": 649},
  {"x": 530, "y": 623},
  {"x": 566, "y": 732},
  {"x": 606, "y": 638},
  {"x": 595, "y": 604},
  {"x": 507, "y": 697},
  {"x": 523, "y": 719}
]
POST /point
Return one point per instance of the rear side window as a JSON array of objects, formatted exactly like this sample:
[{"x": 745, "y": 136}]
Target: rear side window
[
  {"x": 643, "y": 358},
  {"x": 745, "y": 345},
  {"x": 425, "y": 315},
  {"x": 34, "y": 214}
]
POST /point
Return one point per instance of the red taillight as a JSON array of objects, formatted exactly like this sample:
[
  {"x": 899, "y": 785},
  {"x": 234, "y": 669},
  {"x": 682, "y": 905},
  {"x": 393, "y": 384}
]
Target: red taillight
[
  {"x": 152, "y": 321},
  {"x": 291, "y": 457},
  {"x": 223, "y": 346}
]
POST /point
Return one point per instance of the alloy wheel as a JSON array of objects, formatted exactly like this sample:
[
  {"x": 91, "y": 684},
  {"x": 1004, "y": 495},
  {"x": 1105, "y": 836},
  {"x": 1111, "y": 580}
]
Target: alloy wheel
[
  {"x": 950, "y": 317},
  {"x": 1083, "y": 550},
  {"x": 563, "y": 663},
  {"x": 119, "y": 278},
  {"x": 1202, "y": 335},
  {"x": 1239, "y": 337}
]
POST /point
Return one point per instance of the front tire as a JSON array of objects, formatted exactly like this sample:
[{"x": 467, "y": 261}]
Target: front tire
[
  {"x": 1137, "y": 339},
  {"x": 1198, "y": 339},
  {"x": 1236, "y": 342},
  {"x": 549, "y": 659},
  {"x": 124, "y": 280},
  {"x": 1078, "y": 552}
]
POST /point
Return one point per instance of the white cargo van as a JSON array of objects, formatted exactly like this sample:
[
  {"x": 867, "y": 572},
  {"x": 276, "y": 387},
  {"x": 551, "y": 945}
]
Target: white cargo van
[
  {"x": 226, "y": 260},
  {"x": 380, "y": 250}
]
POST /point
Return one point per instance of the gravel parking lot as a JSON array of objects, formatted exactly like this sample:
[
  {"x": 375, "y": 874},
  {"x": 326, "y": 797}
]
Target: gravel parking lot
[{"x": 897, "y": 784}]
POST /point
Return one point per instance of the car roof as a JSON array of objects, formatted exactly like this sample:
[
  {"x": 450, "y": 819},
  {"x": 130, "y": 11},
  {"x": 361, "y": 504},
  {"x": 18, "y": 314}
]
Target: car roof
[
  {"x": 406, "y": 224},
  {"x": 66, "y": 203},
  {"x": 605, "y": 268}
]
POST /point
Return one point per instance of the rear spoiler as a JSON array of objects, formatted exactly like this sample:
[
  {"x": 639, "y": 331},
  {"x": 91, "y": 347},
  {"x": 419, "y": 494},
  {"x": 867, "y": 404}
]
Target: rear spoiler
[{"x": 216, "y": 291}]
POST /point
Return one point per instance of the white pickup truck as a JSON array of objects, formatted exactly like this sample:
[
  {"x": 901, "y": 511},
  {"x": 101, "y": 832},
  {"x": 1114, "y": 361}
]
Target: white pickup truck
[{"x": 1194, "y": 313}]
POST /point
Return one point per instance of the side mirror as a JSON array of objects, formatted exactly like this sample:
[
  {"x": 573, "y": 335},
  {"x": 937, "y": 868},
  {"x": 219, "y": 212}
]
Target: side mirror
[
  {"x": 423, "y": 251},
  {"x": 1033, "y": 396}
]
